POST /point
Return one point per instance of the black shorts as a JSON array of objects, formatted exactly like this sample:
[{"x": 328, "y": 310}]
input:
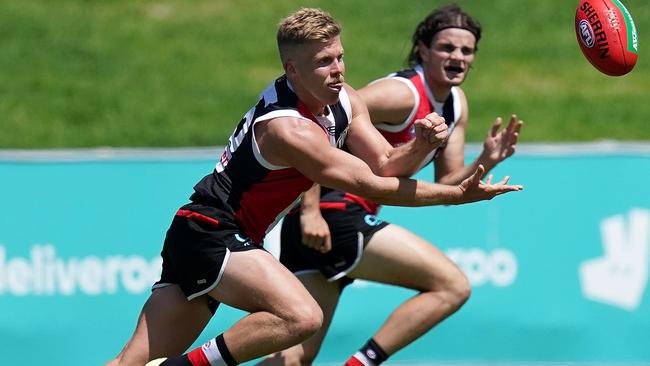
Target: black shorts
[
  {"x": 351, "y": 227},
  {"x": 197, "y": 247}
]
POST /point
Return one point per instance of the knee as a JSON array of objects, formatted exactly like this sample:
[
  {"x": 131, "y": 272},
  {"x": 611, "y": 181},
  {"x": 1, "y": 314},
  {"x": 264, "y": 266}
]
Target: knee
[
  {"x": 305, "y": 320},
  {"x": 453, "y": 290},
  {"x": 458, "y": 289}
]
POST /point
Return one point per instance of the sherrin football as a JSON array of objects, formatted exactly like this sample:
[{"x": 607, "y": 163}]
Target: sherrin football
[{"x": 607, "y": 35}]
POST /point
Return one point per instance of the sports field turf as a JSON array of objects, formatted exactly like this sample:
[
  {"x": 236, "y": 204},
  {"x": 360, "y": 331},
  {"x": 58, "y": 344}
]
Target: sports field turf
[{"x": 77, "y": 73}]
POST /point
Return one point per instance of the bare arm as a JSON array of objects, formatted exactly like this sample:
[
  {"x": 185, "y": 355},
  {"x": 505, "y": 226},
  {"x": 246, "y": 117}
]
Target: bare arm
[
  {"x": 365, "y": 142},
  {"x": 300, "y": 144},
  {"x": 389, "y": 101},
  {"x": 499, "y": 144},
  {"x": 314, "y": 228},
  {"x": 450, "y": 165}
]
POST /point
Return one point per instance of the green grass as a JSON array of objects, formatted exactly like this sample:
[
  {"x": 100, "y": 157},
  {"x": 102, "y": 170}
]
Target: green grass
[{"x": 77, "y": 73}]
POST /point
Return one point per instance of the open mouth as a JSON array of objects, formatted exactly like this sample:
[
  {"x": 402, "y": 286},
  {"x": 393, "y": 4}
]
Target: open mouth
[{"x": 454, "y": 69}]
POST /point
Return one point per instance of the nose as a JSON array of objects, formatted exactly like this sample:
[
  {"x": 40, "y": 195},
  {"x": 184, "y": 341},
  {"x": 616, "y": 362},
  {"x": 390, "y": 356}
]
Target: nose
[
  {"x": 337, "y": 67},
  {"x": 457, "y": 54}
]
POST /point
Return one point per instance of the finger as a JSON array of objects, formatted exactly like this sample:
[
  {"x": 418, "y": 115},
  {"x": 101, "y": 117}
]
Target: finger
[
  {"x": 432, "y": 116},
  {"x": 433, "y": 138},
  {"x": 515, "y": 137},
  {"x": 441, "y": 136},
  {"x": 327, "y": 245},
  {"x": 513, "y": 121},
  {"x": 515, "y": 124},
  {"x": 307, "y": 242},
  {"x": 425, "y": 123},
  {"x": 496, "y": 126},
  {"x": 480, "y": 170},
  {"x": 438, "y": 120},
  {"x": 311, "y": 241},
  {"x": 510, "y": 188},
  {"x": 422, "y": 132},
  {"x": 489, "y": 179},
  {"x": 505, "y": 180},
  {"x": 519, "y": 125},
  {"x": 440, "y": 127}
]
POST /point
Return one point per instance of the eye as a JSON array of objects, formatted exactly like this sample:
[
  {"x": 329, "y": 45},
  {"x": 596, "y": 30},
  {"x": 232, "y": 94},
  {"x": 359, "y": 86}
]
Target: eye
[
  {"x": 447, "y": 48},
  {"x": 324, "y": 61},
  {"x": 467, "y": 51}
]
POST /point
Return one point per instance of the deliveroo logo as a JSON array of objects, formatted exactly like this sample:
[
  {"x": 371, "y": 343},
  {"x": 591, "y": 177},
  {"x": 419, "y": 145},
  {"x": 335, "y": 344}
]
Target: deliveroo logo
[{"x": 620, "y": 276}]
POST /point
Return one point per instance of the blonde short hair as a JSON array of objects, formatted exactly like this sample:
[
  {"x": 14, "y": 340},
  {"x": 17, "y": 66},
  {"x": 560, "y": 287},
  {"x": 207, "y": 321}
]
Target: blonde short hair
[{"x": 306, "y": 25}]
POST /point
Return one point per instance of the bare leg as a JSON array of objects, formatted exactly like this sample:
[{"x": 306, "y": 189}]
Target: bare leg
[
  {"x": 396, "y": 256},
  {"x": 283, "y": 313},
  {"x": 327, "y": 295},
  {"x": 166, "y": 312}
]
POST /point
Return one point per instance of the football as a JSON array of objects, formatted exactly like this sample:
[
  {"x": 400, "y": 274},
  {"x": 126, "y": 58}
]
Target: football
[{"x": 607, "y": 35}]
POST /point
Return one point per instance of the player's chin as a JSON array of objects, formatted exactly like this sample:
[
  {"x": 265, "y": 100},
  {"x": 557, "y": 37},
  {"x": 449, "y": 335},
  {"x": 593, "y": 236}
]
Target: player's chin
[{"x": 331, "y": 97}]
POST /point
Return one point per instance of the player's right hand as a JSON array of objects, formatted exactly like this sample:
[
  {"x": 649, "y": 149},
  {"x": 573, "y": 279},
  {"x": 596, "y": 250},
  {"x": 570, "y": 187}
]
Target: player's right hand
[
  {"x": 431, "y": 130},
  {"x": 315, "y": 232},
  {"x": 474, "y": 189}
]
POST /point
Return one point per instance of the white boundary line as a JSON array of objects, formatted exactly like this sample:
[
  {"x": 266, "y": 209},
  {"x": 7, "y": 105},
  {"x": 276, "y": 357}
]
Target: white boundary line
[{"x": 598, "y": 148}]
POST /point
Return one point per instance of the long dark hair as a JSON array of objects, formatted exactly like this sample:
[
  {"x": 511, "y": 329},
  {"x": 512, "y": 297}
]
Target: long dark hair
[{"x": 447, "y": 16}]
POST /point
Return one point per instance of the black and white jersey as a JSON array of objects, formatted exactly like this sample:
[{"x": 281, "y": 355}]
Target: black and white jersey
[{"x": 244, "y": 184}]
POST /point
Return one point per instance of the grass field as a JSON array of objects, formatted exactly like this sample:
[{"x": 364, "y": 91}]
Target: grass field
[{"x": 84, "y": 73}]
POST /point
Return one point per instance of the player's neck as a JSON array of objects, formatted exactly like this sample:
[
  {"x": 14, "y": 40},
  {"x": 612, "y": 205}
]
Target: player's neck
[
  {"x": 440, "y": 93},
  {"x": 314, "y": 106}
]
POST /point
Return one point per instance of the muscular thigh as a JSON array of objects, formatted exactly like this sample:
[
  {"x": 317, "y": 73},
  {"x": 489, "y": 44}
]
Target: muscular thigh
[
  {"x": 255, "y": 281},
  {"x": 397, "y": 256}
]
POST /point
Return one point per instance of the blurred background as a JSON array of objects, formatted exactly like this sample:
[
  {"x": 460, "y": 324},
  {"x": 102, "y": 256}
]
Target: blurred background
[
  {"x": 117, "y": 73},
  {"x": 110, "y": 111}
]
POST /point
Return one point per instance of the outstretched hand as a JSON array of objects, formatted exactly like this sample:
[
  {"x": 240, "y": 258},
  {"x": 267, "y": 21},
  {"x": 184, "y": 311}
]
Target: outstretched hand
[
  {"x": 431, "y": 130},
  {"x": 474, "y": 189},
  {"x": 500, "y": 143}
]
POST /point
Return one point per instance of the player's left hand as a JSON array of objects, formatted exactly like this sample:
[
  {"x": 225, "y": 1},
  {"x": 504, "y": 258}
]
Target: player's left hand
[
  {"x": 431, "y": 130},
  {"x": 500, "y": 143},
  {"x": 315, "y": 231}
]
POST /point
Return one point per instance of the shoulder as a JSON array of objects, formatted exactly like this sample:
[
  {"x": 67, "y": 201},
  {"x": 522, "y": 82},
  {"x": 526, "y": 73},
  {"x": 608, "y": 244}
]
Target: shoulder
[
  {"x": 390, "y": 87},
  {"x": 278, "y": 138},
  {"x": 389, "y": 100},
  {"x": 286, "y": 128}
]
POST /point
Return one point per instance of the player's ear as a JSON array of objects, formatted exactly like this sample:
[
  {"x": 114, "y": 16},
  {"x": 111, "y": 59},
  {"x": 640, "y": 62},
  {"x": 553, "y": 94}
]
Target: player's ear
[
  {"x": 423, "y": 51},
  {"x": 289, "y": 67}
]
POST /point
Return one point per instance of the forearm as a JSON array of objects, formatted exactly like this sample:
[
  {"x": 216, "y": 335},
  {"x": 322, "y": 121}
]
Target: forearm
[
  {"x": 456, "y": 176},
  {"x": 404, "y": 160},
  {"x": 311, "y": 200},
  {"x": 411, "y": 192},
  {"x": 394, "y": 191}
]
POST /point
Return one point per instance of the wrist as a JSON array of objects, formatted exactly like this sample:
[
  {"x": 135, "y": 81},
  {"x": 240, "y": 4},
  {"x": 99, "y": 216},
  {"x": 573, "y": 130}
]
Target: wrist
[
  {"x": 487, "y": 161},
  {"x": 458, "y": 194},
  {"x": 309, "y": 212}
]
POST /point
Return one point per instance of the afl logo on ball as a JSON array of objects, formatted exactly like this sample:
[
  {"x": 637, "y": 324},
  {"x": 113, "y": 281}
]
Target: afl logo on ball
[{"x": 586, "y": 33}]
